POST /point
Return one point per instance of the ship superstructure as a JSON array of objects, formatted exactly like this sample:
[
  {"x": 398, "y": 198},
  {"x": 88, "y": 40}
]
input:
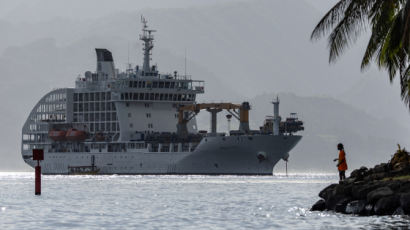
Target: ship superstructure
[{"x": 141, "y": 121}]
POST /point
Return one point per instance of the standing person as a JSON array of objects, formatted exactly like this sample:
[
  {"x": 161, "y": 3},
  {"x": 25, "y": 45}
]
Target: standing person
[{"x": 341, "y": 164}]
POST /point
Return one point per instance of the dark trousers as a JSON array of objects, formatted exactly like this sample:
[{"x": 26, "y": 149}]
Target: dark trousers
[{"x": 342, "y": 175}]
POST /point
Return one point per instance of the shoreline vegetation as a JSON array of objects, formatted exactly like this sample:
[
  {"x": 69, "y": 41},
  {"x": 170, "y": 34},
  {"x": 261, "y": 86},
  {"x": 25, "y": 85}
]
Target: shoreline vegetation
[{"x": 381, "y": 190}]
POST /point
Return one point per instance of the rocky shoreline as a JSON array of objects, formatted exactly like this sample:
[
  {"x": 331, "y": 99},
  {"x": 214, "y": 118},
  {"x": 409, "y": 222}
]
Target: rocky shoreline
[{"x": 381, "y": 190}]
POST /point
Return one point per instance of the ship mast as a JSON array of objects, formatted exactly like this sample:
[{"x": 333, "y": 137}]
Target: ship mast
[{"x": 147, "y": 39}]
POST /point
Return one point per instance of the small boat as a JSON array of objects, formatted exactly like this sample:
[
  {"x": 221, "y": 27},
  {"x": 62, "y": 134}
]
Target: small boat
[
  {"x": 57, "y": 135},
  {"x": 76, "y": 135}
]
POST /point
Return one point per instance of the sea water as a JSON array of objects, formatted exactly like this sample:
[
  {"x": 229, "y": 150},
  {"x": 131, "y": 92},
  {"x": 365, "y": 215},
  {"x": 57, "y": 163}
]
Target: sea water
[{"x": 174, "y": 202}]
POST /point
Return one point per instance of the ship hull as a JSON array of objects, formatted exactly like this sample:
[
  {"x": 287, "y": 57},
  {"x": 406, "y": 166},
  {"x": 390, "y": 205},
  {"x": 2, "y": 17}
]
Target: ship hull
[{"x": 232, "y": 155}]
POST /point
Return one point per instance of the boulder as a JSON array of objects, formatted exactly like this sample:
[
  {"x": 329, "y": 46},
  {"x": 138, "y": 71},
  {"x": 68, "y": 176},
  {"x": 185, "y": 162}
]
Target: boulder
[
  {"x": 387, "y": 205},
  {"x": 332, "y": 201},
  {"x": 405, "y": 202},
  {"x": 356, "y": 207},
  {"x": 341, "y": 204},
  {"x": 404, "y": 187},
  {"x": 327, "y": 191},
  {"x": 399, "y": 212},
  {"x": 359, "y": 191},
  {"x": 378, "y": 193},
  {"x": 380, "y": 168},
  {"x": 369, "y": 209},
  {"x": 320, "y": 205}
]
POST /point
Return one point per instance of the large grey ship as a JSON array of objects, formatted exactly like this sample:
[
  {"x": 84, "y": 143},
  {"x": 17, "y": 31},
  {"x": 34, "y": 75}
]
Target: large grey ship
[{"x": 141, "y": 121}]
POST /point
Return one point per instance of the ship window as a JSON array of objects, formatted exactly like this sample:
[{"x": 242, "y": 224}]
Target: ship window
[
  {"x": 127, "y": 104},
  {"x": 143, "y": 84},
  {"x": 91, "y": 116},
  {"x": 179, "y": 97},
  {"x": 113, "y": 106},
  {"x": 109, "y": 106},
  {"x": 75, "y": 97},
  {"x": 122, "y": 96},
  {"x": 141, "y": 96},
  {"x": 97, "y": 96},
  {"x": 80, "y": 107},
  {"x": 161, "y": 84},
  {"x": 113, "y": 126},
  {"x": 155, "y": 84},
  {"x": 86, "y": 117},
  {"x": 135, "y": 96},
  {"x": 91, "y": 106},
  {"x": 139, "y": 84},
  {"x": 146, "y": 105},
  {"x": 175, "y": 97},
  {"x": 103, "y": 96},
  {"x": 97, "y": 127},
  {"x": 97, "y": 117},
  {"x": 86, "y": 97},
  {"x": 126, "y": 96},
  {"x": 108, "y": 96},
  {"x": 97, "y": 106},
  {"x": 102, "y": 127},
  {"x": 167, "y": 85},
  {"x": 157, "y": 96},
  {"x": 146, "y": 96},
  {"x": 108, "y": 115},
  {"x": 108, "y": 127},
  {"x": 102, "y": 116},
  {"x": 80, "y": 97},
  {"x": 151, "y": 97},
  {"x": 114, "y": 116},
  {"x": 75, "y": 107},
  {"x": 86, "y": 107},
  {"x": 92, "y": 127},
  {"x": 172, "y": 85},
  {"x": 102, "y": 106},
  {"x": 130, "y": 84},
  {"x": 91, "y": 97},
  {"x": 135, "y": 84},
  {"x": 166, "y": 97},
  {"x": 161, "y": 97},
  {"x": 148, "y": 115},
  {"x": 131, "y": 125}
]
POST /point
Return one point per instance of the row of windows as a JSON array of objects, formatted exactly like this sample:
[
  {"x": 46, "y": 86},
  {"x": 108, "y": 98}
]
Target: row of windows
[
  {"x": 94, "y": 106},
  {"x": 85, "y": 117},
  {"x": 45, "y": 108},
  {"x": 102, "y": 127},
  {"x": 56, "y": 97},
  {"x": 158, "y": 96},
  {"x": 46, "y": 117},
  {"x": 97, "y": 96},
  {"x": 159, "y": 84}
]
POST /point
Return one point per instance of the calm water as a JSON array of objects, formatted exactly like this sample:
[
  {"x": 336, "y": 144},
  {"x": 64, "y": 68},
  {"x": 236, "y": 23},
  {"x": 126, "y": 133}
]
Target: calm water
[{"x": 173, "y": 202}]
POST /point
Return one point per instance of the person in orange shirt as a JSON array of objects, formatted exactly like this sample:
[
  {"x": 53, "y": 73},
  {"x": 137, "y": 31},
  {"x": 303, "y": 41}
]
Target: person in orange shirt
[{"x": 341, "y": 165}]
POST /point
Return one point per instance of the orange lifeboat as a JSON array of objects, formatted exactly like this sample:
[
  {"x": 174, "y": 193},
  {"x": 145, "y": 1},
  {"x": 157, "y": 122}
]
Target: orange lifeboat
[
  {"x": 57, "y": 135},
  {"x": 76, "y": 135}
]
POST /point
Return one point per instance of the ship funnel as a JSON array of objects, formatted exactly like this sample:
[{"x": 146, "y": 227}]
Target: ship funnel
[
  {"x": 105, "y": 64},
  {"x": 244, "y": 117}
]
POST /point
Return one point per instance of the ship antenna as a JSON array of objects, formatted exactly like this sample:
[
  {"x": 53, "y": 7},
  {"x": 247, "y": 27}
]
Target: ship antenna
[
  {"x": 147, "y": 39},
  {"x": 185, "y": 63}
]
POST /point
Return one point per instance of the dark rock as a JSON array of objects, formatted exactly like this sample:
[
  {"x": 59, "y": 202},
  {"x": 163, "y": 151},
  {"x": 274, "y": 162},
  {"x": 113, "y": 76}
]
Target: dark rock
[
  {"x": 380, "y": 168},
  {"x": 356, "y": 207},
  {"x": 344, "y": 189},
  {"x": 405, "y": 202},
  {"x": 359, "y": 191},
  {"x": 341, "y": 204},
  {"x": 404, "y": 187},
  {"x": 332, "y": 201},
  {"x": 399, "y": 211},
  {"x": 378, "y": 193},
  {"x": 369, "y": 209},
  {"x": 387, "y": 205},
  {"x": 327, "y": 191},
  {"x": 320, "y": 205}
]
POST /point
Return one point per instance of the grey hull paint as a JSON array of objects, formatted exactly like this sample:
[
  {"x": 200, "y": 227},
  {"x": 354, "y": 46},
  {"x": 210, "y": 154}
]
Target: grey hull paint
[{"x": 233, "y": 155}]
